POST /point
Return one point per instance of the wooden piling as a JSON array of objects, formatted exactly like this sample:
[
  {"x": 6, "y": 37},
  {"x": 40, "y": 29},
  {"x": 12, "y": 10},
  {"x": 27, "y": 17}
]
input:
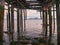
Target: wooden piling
[
  {"x": 1, "y": 20},
  {"x": 50, "y": 26},
  {"x": 18, "y": 21},
  {"x": 58, "y": 20},
  {"x": 12, "y": 20}
]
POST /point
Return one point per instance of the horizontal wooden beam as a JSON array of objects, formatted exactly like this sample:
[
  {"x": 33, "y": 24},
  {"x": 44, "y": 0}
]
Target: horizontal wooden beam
[{"x": 34, "y": 4}]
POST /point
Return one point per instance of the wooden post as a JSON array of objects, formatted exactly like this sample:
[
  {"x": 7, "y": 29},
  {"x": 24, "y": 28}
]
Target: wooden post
[
  {"x": 18, "y": 30},
  {"x": 12, "y": 20},
  {"x": 8, "y": 23},
  {"x": 58, "y": 21},
  {"x": 1, "y": 20},
  {"x": 21, "y": 24},
  {"x": 50, "y": 26},
  {"x": 53, "y": 20},
  {"x": 25, "y": 16},
  {"x": 45, "y": 22},
  {"x": 40, "y": 15}
]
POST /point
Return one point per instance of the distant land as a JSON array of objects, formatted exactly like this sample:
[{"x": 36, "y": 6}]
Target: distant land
[{"x": 34, "y": 18}]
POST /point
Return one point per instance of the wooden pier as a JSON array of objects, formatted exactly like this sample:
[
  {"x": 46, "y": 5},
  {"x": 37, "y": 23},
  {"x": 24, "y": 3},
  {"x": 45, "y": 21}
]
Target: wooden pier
[{"x": 50, "y": 19}]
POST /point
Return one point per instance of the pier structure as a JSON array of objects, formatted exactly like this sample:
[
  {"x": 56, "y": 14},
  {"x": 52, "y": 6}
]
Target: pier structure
[{"x": 50, "y": 19}]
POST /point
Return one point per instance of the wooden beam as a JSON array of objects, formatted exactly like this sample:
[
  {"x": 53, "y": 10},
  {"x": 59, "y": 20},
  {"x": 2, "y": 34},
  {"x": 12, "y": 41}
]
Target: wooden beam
[
  {"x": 25, "y": 17},
  {"x": 18, "y": 21},
  {"x": 8, "y": 23},
  {"x": 12, "y": 20},
  {"x": 50, "y": 26},
  {"x": 34, "y": 4},
  {"x": 31, "y": 7},
  {"x": 1, "y": 20},
  {"x": 45, "y": 23},
  {"x": 43, "y": 27},
  {"x": 58, "y": 20},
  {"x": 54, "y": 21},
  {"x": 21, "y": 23},
  {"x": 45, "y": 20}
]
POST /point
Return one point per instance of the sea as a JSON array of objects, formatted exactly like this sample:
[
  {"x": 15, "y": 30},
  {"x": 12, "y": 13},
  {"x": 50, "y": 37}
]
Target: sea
[{"x": 33, "y": 28}]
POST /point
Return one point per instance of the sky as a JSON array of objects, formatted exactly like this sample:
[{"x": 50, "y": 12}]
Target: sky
[{"x": 32, "y": 13}]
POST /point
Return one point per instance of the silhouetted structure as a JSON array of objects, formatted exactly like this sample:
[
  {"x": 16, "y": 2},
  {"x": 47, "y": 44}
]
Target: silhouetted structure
[{"x": 43, "y": 6}]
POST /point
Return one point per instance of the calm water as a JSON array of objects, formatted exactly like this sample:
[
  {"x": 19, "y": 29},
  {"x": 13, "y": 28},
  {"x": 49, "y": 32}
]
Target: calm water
[{"x": 32, "y": 26}]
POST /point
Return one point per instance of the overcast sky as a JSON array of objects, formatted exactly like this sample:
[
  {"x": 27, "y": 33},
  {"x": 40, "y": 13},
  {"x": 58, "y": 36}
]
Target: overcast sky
[{"x": 33, "y": 13}]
